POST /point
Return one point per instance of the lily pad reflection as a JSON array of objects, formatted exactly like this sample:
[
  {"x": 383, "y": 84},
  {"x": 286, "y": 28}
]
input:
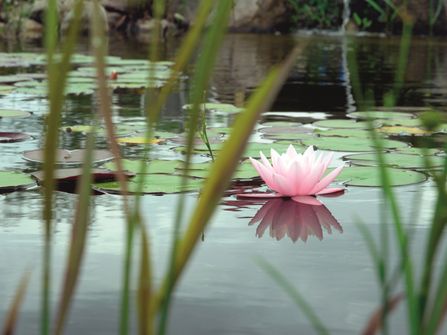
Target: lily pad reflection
[{"x": 297, "y": 220}]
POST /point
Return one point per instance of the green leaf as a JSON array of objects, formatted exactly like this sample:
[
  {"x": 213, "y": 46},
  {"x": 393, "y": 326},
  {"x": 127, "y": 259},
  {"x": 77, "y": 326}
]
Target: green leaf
[
  {"x": 381, "y": 115},
  {"x": 350, "y": 144},
  {"x": 11, "y": 113},
  {"x": 350, "y": 124},
  {"x": 153, "y": 183},
  {"x": 397, "y": 160},
  {"x": 370, "y": 176},
  {"x": 155, "y": 166},
  {"x": 12, "y": 181},
  {"x": 218, "y": 108}
]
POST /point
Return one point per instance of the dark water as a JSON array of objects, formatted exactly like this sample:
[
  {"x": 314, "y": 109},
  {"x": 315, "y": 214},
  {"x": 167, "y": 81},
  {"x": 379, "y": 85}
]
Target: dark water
[{"x": 224, "y": 291}]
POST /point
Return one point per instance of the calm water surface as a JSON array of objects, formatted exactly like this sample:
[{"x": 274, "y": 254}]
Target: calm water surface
[{"x": 224, "y": 291}]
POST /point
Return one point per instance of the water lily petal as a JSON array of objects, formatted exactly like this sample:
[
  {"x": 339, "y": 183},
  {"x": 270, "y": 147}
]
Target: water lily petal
[
  {"x": 307, "y": 200},
  {"x": 327, "y": 180},
  {"x": 258, "y": 195},
  {"x": 282, "y": 186},
  {"x": 264, "y": 172},
  {"x": 331, "y": 190}
]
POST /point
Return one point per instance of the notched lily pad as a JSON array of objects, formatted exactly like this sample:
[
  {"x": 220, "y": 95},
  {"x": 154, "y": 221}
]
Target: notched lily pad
[
  {"x": 69, "y": 157},
  {"x": 9, "y": 137},
  {"x": 381, "y": 115},
  {"x": 155, "y": 166},
  {"x": 397, "y": 160},
  {"x": 153, "y": 183},
  {"x": 13, "y": 113},
  {"x": 350, "y": 144},
  {"x": 340, "y": 132},
  {"x": 370, "y": 176},
  {"x": 71, "y": 176},
  {"x": 403, "y": 131},
  {"x": 11, "y": 181},
  {"x": 348, "y": 124}
]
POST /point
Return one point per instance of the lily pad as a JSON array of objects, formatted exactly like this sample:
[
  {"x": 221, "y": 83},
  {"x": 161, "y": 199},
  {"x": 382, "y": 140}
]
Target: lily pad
[
  {"x": 244, "y": 170},
  {"x": 69, "y": 157},
  {"x": 340, "y": 132},
  {"x": 349, "y": 124},
  {"x": 153, "y": 183},
  {"x": 253, "y": 148},
  {"x": 381, "y": 115},
  {"x": 397, "y": 160},
  {"x": 9, "y": 137},
  {"x": 11, "y": 181},
  {"x": 12, "y": 113},
  {"x": 350, "y": 144},
  {"x": 155, "y": 166},
  {"x": 139, "y": 140},
  {"x": 370, "y": 176},
  {"x": 402, "y": 131},
  {"x": 73, "y": 175},
  {"x": 418, "y": 151},
  {"x": 402, "y": 122},
  {"x": 218, "y": 107}
]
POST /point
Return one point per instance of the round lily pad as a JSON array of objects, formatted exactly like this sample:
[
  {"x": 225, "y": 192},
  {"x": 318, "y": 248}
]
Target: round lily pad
[
  {"x": 155, "y": 166},
  {"x": 403, "y": 131},
  {"x": 253, "y": 149},
  {"x": 350, "y": 144},
  {"x": 153, "y": 183},
  {"x": 139, "y": 140},
  {"x": 12, "y": 113},
  {"x": 381, "y": 115},
  {"x": 418, "y": 151},
  {"x": 69, "y": 157},
  {"x": 341, "y": 132},
  {"x": 350, "y": 124},
  {"x": 402, "y": 122},
  {"x": 11, "y": 181},
  {"x": 73, "y": 175},
  {"x": 244, "y": 170},
  {"x": 370, "y": 176},
  {"x": 9, "y": 137},
  {"x": 396, "y": 160},
  {"x": 218, "y": 107}
]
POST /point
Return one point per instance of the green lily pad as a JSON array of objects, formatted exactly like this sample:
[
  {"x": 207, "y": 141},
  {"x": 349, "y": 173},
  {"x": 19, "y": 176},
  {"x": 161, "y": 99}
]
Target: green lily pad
[
  {"x": 370, "y": 176},
  {"x": 401, "y": 130},
  {"x": 381, "y": 115},
  {"x": 340, "y": 132},
  {"x": 349, "y": 124},
  {"x": 218, "y": 107},
  {"x": 139, "y": 140},
  {"x": 402, "y": 122},
  {"x": 418, "y": 151},
  {"x": 253, "y": 149},
  {"x": 350, "y": 144},
  {"x": 153, "y": 183},
  {"x": 11, "y": 113},
  {"x": 281, "y": 124},
  {"x": 397, "y": 160},
  {"x": 68, "y": 157},
  {"x": 155, "y": 166},
  {"x": 244, "y": 171},
  {"x": 11, "y": 181}
]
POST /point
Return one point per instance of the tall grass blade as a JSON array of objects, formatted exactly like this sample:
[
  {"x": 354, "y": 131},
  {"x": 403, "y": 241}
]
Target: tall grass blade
[
  {"x": 225, "y": 165},
  {"x": 281, "y": 281},
  {"x": 78, "y": 238},
  {"x": 13, "y": 313},
  {"x": 145, "y": 318},
  {"x": 57, "y": 74},
  {"x": 375, "y": 323},
  {"x": 202, "y": 75}
]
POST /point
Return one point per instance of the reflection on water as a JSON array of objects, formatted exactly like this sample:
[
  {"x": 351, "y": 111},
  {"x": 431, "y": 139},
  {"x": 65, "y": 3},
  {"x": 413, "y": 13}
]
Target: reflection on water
[{"x": 297, "y": 220}]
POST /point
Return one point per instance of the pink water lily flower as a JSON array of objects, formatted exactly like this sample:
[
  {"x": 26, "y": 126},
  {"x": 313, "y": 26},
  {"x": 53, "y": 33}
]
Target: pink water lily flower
[{"x": 295, "y": 175}]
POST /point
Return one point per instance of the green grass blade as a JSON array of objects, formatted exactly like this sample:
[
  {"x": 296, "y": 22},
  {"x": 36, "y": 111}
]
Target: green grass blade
[
  {"x": 225, "y": 165},
  {"x": 201, "y": 77},
  {"x": 13, "y": 312},
  {"x": 299, "y": 300},
  {"x": 78, "y": 238},
  {"x": 145, "y": 318}
]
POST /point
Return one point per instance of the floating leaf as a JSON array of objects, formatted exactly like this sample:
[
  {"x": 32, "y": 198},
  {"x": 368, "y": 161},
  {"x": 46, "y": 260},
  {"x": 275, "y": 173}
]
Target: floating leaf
[
  {"x": 397, "y": 160},
  {"x": 350, "y": 144},
  {"x": 281, "y": 124},
  {"x": 153, "y": 183},
  {"x": 73, "y": 175},
  {"x": 370, "y": 176},
  {"x": 381, "y": 115},
  {"x": 13, "y": 181},
  {"x": 218, "y": 107},
  {"x": 139, "y": 140},
  {"x": 155, "y": 166},
  {"x": 402, "y": 122},
  {"x": 418, "y": 151},
  {"x": 253, "y": 149},
  {"x": 244, "y": 171},
  {"x": 12, "y": 113},
  {"x": 344, "y": 132},
  {"x": 68, "y": 157},
  {"x": 8, "y": 137},
  {"x": 401, "y": 130},
  {"x": 350, "y": 124}
]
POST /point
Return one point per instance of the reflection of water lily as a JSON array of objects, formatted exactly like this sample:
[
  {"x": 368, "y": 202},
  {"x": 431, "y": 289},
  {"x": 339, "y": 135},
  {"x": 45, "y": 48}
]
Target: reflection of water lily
[
  {"x": 296, "y": 175},
  {"x": 295, "y": 219}
]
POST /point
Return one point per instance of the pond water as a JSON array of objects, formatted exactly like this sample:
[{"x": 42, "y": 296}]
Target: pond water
[{"x": 224, "y": 291}]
